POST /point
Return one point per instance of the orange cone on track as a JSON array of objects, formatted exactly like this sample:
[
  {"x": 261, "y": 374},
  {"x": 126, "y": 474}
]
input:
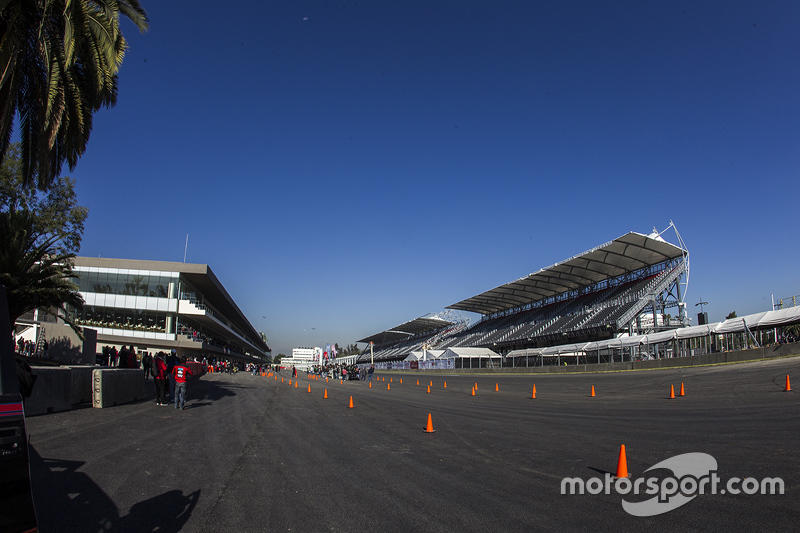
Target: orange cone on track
[
  {"x": 351, "y": 403},
  {"x": 533, "y": 393},
  {"x": 429, "y": 389},
  {"x": 370, "y": 384},
  {"x": 682, "y": 392},
  {"x": 309, "y": 387},
  {"x": 473, "y": 391},
  {"x": 295, "y": 384},
  {"x": 592, "y": 390},
  {"x": 429, "y": 427},
  {"x": 430, "y": 384},
  {"x": 622, "y": 463},
  {"x": 476, "y": 386},
  {"x": 388, "y": 386},
  {"x": 326, "y": 394},
  {"x": 496, "y": 388},
  {"x": 788, "y": 387},
  {"x": 391, "y": 380},
  {"x": 445, "y": 384},
  {"x": 672, "y": 392},
  {"x": 417, "y": 382},
  {"x": 401, "y": 381}
]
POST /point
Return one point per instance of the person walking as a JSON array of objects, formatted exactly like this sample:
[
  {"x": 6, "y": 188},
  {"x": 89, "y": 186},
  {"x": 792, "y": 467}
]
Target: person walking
[
  {"x": 370, "y": 372},
  {"x": 180, "y": 374},
  {"x": 159, "y": 370}
]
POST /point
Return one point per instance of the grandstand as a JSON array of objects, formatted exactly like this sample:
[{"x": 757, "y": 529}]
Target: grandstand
[{"x": 599, "y": 294}]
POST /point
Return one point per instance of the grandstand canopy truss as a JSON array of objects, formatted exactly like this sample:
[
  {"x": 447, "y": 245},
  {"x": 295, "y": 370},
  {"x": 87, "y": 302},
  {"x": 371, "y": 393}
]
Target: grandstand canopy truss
[
  {"x": 622, "y": 287},
  {"x": 627, "y": 254},
  {"x": 409, "y": 329}
]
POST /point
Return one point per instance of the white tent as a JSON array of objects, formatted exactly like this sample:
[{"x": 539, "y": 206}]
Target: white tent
[
  {"x": 428, "y": 355},
  {"x": 469, "y": 353}
]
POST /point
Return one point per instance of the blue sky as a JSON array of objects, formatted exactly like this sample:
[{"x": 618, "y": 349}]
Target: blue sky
[{"x": 345, "y": 167}]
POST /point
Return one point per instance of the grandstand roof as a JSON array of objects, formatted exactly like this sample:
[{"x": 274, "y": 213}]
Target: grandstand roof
[
  {"x": 629, "y": 253},
  {"x": 408, "y": 329}
]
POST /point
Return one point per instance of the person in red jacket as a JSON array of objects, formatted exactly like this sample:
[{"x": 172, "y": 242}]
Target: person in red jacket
[
  {"x": 181, "y": 373},
  {"x": 159, "y": 370}
]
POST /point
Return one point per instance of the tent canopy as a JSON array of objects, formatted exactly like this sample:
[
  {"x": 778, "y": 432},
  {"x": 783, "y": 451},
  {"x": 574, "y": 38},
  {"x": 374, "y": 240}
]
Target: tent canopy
[{"x": 469, "y": 353}]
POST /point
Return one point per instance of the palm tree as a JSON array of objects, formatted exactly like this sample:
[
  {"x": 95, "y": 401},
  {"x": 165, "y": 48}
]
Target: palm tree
[
  {"x": 59, "y": 61},
  {"x": 34, "y": 275}
]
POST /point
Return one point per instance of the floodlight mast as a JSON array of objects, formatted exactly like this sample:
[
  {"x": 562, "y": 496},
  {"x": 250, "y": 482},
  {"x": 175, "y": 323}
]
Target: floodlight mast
[{"x": 371, "y": 359}]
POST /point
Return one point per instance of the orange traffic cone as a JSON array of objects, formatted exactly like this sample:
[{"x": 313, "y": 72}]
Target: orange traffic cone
[
  {"x": 496, "y": 388},
  {"x": 370, "y": 384},
  {"x": 788, "y": 387},
  {"x": 401, "y": 381},
  {"x": 671, "y": 392},
  {"x": 476, "y": 386},
  {"x": 682, "y": 392},
  {"x": 622, "y": 463},
  {"x": 533, "y": 393},
  {"x": 388, "y": 386},
  {"x": 429, "y": 389},
  {"x": 351, "y": 403},
  {"x": 417, "y": 382},
  {"x": 309, "y": 387},
  {"x": 445, "y": 384},
  {"x": 391, "y": 380},
  {"x": 473, "y": 391},
  {"x": 281, "y": 379},
  {"x": 429, "y": 427},
  {"x": 592, "y": 390},
  {"x": 430, "y": 384},
  {"x": 326, "y": 394},
  {"x": 295, "y": 384}
]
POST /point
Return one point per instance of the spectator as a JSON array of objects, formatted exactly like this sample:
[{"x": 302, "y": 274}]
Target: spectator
[
  {"x": 180, "y": 374},
  {"x": 159, "y": 374}
]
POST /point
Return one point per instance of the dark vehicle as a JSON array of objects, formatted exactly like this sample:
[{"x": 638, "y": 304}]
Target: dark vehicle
[{"x": 17, "y": 514}]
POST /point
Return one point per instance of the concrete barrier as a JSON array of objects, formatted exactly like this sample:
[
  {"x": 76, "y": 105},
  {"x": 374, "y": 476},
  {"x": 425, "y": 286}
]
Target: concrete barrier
[
  {"x": 51, "y": 391},
  {"x": 116, "y": 386},
  {"x": 81, "y": 384}
]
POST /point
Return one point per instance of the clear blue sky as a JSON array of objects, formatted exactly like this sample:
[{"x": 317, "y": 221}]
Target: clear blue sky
[{"x": 345, "y": 167}]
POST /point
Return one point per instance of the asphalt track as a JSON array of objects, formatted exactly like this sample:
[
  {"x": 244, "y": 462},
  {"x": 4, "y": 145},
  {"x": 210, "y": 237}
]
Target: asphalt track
[{"x": 254, "y": 454}]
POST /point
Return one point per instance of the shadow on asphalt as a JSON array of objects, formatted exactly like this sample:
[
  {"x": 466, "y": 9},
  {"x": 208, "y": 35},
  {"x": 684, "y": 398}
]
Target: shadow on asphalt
[
  {"x": 68, "y": 500},
  {"x": 198, "y": 389}
]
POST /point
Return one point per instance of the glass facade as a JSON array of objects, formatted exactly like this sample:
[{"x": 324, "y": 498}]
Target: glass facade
[{"x": 131, "y": 284}]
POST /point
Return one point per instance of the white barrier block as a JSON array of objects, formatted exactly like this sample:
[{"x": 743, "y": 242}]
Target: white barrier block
[{"x": 116, "y": 386}]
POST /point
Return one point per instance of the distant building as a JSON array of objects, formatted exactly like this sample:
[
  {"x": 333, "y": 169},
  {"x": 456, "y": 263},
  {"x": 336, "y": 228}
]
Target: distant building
[{"x": 160, "y": 306}]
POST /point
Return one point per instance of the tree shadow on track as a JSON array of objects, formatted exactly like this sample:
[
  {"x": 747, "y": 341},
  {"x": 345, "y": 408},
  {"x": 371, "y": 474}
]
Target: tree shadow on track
[{"x": 69, "y": 500}]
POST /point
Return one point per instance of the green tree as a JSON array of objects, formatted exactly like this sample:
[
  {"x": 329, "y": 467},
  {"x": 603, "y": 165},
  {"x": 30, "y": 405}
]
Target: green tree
[
  {"x": 55, "y": 212},
  {"x": 34, "y": 273},
  {"x": 59, "y": 61},
  {"x": 277, "y": 359},
  {"x": 732, "y": 314}
]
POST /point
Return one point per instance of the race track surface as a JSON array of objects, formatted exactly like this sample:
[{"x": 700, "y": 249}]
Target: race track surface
[{"x": 253, "y": 454}]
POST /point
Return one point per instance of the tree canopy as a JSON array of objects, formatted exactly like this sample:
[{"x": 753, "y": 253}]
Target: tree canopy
[
  {"x": 55, "y": 213},
  {"x": 59, "y": 61},
  {"x": 33, "y": 272}
]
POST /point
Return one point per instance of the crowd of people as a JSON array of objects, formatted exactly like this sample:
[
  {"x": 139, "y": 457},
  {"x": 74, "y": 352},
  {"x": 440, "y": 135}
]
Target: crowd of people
[{"x": 343, "y": 372}]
